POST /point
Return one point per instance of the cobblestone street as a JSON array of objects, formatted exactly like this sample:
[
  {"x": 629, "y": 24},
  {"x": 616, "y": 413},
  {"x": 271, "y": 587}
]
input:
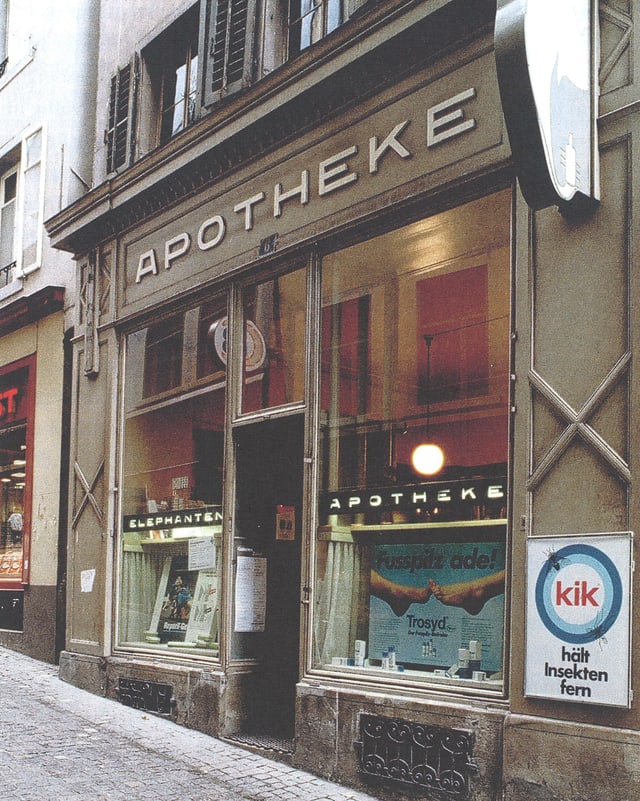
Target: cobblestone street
[{"x": 63, "y": 744}]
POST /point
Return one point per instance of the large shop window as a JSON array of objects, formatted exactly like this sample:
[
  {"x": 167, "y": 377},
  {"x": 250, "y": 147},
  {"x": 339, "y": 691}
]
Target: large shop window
[
  {"x": 15, "y": 481},
  {"x": 174, "y": 409},
  {"x": 415, "y": 365}
]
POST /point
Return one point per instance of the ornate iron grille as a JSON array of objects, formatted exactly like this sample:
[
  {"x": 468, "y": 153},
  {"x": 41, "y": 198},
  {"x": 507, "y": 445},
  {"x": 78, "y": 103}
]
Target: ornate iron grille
[
  {"x": 151, "y": 696},
  {"x": 429, "y": 757}
]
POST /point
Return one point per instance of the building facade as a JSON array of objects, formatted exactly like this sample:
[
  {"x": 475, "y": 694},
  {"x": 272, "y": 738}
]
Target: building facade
[
  {"x": 351, "y": 405},
  {"x": 45, "y": 161}
]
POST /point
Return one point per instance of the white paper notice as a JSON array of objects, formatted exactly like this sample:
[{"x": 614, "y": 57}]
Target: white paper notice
[
  {"x": 87, "y": 577},
  {"x": 202, "y": 553},
  {"x": 251, "y": 593}
]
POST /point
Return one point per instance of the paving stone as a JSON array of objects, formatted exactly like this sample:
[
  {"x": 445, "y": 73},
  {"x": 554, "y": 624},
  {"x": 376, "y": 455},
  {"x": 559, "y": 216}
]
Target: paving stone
[{"x": 63, "y": 744}]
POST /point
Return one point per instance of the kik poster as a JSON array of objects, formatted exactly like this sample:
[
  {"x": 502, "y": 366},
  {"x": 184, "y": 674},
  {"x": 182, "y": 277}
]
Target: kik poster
[
  {"x": 429, "y": 600},
  {"x": 578, "y": 643}
]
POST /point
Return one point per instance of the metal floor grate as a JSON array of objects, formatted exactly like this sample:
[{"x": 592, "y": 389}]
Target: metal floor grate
[{"x": 282, "y": 745}]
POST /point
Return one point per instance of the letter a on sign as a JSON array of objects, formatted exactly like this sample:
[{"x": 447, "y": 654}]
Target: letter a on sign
[{"x": 546, "y": 58}]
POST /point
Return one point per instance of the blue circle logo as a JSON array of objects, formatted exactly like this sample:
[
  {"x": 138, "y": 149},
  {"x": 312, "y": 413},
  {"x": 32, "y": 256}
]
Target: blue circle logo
[{"x": 578, "y": 593}]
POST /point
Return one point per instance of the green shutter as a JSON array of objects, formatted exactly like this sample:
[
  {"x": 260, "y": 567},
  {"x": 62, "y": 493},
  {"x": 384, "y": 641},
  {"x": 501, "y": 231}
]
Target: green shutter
[{"x": 226, "y": 47}]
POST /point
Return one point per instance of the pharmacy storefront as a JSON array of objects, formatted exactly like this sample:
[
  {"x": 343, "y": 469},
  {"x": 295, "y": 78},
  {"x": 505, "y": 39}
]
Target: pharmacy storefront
[{"x": 300, "y": 508}]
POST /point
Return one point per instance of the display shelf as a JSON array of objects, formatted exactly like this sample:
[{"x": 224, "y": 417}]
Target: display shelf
[
  {"x": 345, "y": 533},
  {"x": 357, "y": 527},
  {"x": 186, "y": 647},
  {"x": 421, "y": 675}
]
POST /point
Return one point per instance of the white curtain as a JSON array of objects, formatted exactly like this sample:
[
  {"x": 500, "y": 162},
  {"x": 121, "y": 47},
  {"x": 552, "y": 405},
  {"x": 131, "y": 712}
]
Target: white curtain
[
  {"x": 337, "y": 604},
  {"x": 141, "y": 573}
]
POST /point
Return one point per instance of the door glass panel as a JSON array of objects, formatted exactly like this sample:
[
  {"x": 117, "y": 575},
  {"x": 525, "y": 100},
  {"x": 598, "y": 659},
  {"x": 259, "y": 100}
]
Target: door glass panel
[{"x": 274, "y": 349}]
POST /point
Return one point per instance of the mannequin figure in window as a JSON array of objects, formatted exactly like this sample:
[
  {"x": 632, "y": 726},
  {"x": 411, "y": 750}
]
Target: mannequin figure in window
[{"x": 15, "y": 526}]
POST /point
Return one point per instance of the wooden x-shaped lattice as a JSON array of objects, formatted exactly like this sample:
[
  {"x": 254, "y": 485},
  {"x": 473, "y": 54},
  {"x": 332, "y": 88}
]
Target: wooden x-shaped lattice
[
  {"x": 578, "y": 425},
  {"x": 88, "y": 497}
]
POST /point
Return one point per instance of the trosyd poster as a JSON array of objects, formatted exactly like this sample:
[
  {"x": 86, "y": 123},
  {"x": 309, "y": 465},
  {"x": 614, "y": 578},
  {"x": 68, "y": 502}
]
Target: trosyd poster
[
  {"x": 429, "y": 600},
  {"x": 578, "y": 618}
]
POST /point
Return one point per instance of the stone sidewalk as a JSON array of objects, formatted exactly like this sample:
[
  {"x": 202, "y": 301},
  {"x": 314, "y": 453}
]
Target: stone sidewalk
[{"x": 63, "y": 744}]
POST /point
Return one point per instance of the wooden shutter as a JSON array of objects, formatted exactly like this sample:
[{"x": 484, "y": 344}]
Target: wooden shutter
[
  {"x": 226, "y": 47},
  {"x": 118, "y": 134}
]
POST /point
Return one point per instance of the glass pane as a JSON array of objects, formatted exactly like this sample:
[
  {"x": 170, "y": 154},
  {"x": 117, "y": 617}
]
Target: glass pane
[
  {"x": 31, "y": 222},
  {"x": 274, "y": 357},
  {"x": 14, "y": 472},
  {"x": 33, "y": 149},
  {"x": 212, "y": 338},
  {"x": 415, "y": 363},
  {"x": 10, "y": 185},
  {"x": 7, "y": 230},
  {"x": 162, "y": 344},
  {"x": 12, "y": 488},
  {"x": 171, "y": 503}
]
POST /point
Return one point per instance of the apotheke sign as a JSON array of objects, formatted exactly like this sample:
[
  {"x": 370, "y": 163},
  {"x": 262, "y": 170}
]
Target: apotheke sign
[
  {"x": 416, "y": 496},
  {"x": 444, "y": 121},
  {"x": 404, "y": 143}
]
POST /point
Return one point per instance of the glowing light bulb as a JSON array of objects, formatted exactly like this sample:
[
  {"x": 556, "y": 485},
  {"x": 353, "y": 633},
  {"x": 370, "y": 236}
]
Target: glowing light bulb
[{"x": 427, "y": 459}]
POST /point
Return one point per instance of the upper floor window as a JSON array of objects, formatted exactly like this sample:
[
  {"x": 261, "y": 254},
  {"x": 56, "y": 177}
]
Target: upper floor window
[
  {"x": 118, "y": 133},
  {"x": 214, "y": 49},
  {"x": 311, "y": 20},
  {"x": 8, "y": 194},
  {"x": 227, "y": 29},
  {"x": 4, "y": 29},
  {"x": 15, "y": 32},
  {"x": 170, "y": 69},
  {"x": 21, "y": 208}
]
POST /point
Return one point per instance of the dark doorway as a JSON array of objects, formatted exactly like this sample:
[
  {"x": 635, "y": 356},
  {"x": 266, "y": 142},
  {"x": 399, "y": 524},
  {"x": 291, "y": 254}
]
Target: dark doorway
[{"x": 268, "y": 524}]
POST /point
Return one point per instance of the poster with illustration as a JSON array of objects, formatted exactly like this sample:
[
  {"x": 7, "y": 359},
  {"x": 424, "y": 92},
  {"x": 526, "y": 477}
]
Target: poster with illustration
[
  {"x": 177, "y": 601},
  {"x": 429, "y": 600}
]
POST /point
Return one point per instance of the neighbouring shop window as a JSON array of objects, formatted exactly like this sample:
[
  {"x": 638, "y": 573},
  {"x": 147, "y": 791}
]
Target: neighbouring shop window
[
  {"x": 274, "y": 346},
  {"x": 173, "y": 443},
  {"x": 15, "y": 476},
  {"x": 415, "y": 349}
]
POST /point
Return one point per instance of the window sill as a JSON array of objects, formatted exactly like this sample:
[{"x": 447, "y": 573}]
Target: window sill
[
  {"x": 14, "y": 71},
  {"x": 11, "y": 289},
  {"x": 405, "y": 681}
]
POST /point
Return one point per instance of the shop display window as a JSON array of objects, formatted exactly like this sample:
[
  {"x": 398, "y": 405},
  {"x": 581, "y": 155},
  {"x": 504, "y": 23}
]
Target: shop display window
[
  {"x": 15, "y": 475},
  {"x": 274, "y": 346},
  {"x": 414, "y": 432},
  {"x": 173, "y": 443}
]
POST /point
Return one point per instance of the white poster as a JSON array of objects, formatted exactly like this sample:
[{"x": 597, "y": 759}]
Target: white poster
[
  {"x": 578, "y": 618},
  {"x": 251, "y": 593},
  {"x": 202, "y": 553}
]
